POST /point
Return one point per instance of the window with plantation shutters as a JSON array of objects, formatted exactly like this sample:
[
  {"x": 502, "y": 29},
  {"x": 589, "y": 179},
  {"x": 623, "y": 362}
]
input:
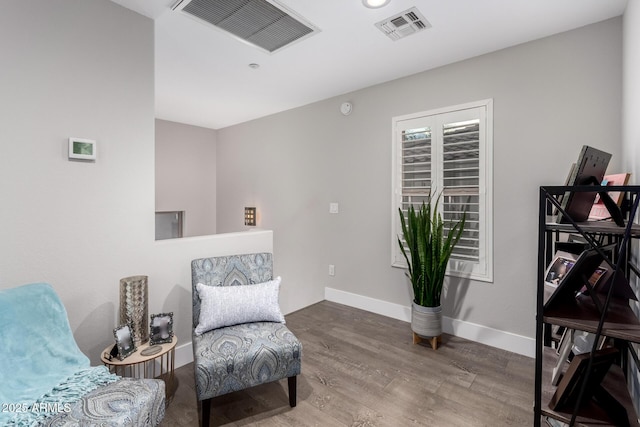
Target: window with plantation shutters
[{"x": 447, "y": 153}]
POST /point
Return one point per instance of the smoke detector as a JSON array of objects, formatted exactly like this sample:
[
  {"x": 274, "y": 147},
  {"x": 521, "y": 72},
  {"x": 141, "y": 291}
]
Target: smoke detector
[
  {"x": 265, "y": 24},
  {"x": 404, "y": 24}
]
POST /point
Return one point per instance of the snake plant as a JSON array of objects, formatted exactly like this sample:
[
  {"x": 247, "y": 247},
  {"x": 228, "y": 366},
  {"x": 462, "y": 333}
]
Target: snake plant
[{"x": 429, "y": 248}]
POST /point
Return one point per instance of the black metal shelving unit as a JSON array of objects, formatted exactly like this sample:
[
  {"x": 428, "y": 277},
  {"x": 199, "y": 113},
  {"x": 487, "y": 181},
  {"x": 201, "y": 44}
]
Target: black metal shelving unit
[{"x": 614, "y": 319}]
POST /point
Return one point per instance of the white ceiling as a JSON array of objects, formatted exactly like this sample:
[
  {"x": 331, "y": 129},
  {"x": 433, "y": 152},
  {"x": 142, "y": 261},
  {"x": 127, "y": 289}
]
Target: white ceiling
[{"x": 202, "y": 75}]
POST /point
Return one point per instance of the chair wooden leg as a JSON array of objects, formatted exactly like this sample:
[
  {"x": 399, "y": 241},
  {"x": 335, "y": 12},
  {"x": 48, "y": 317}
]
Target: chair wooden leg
[
  {"x": 206, "y": 412},
  {"x": 293, "y": 390}
]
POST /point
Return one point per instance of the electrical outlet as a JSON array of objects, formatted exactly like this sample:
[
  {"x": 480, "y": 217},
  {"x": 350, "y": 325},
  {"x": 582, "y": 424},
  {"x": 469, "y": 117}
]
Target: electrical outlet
[
  {"x": 332, "y": 270},
  {"x": 334, "y": 208}
]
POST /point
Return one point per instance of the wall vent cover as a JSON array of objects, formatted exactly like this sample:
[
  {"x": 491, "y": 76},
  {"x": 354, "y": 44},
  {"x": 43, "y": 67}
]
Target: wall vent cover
[
  {"x": 404, "y": 24},
  {"x": 262, "y": 23}
]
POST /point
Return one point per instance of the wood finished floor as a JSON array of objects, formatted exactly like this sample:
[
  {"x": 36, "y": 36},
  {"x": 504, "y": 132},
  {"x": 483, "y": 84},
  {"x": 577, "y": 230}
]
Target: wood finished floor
[{"x": 360, "y": 369}]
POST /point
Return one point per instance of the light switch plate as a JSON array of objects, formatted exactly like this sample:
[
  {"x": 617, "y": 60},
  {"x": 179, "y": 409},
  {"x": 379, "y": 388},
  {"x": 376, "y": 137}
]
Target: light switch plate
[{"x": 334, "y": 208}]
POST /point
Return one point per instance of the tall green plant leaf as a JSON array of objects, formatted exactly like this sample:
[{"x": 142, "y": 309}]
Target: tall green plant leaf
[{"x": 429, "y": 249}]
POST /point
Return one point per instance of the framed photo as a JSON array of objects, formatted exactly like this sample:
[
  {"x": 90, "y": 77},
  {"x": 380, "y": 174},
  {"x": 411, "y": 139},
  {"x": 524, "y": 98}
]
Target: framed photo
[
  {"x": 599, "y": 210},
  {"x": 564, "y": 348},
  {"x": 621, "y": 286},
  {"x": 82, "y": 149},
  {"x": 560, "y": 273},
  {"x": 161, "y": 328},
  {"x": 569, "y": 387},
  {"x": 559, "y": 268},
  {"x": 124, "y": 341}
]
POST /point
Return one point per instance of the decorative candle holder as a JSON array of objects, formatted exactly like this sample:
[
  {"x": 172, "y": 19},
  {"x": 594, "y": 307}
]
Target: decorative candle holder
[{"x": 134, "y": 307}]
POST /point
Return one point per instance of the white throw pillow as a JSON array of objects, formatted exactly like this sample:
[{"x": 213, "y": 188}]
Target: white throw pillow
[{"x": 232, "y": 305}]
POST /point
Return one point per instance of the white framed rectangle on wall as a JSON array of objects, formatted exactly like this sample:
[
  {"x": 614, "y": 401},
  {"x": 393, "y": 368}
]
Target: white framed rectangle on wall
[{"x": 82, "y": 149}]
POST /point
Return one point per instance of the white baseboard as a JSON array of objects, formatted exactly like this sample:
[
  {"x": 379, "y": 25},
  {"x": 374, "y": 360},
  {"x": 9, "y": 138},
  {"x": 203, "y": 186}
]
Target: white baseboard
[
  {"x": 460, "y": 328},
  {"x": 184, "y": 354}
]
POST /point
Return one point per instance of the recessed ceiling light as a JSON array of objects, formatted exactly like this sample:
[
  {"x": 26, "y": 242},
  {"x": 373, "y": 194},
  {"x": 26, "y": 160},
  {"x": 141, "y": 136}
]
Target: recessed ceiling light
[
  {"x": 374, "y": 4},
  {"x": 254, "y": 65}
]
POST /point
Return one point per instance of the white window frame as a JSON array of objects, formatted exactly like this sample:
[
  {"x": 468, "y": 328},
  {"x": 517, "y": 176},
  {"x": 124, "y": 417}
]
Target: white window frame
[{"x": 483, "y": 270}]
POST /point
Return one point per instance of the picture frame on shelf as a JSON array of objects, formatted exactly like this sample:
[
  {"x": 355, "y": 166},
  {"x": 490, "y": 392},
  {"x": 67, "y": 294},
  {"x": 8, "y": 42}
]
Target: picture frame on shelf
[
  {"x": 599, "y": 210},
  {"x": 124, "y": 341},
  {"x": 622, "y": 288},
  {"x": 563, "y": 351},
  {"x": 589, "y": 169},
  {"x": 571, "y": 343},
  {"x": 598, "y": 277},
  {"x": 572, "y": 283},
  {"x": 568, "y": 389},
  {"x": 161, "y": 328},
  {"x": 562, "y": 263}
]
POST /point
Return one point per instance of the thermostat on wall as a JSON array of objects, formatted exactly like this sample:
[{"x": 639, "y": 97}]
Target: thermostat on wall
[{"x": 82, "y": 149}]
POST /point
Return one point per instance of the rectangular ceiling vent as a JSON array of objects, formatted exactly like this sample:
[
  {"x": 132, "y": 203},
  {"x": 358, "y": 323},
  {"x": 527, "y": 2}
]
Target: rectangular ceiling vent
[
  {"x": 262, "y": 23},
  {"x": 411, "y": 21}
]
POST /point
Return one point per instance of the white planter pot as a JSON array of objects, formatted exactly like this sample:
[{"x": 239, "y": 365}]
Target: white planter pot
[{"x": 426, "y": 321}]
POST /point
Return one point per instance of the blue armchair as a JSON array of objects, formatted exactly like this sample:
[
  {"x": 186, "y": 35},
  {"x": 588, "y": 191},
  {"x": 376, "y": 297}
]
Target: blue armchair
[{"x": 245, "y": 342}]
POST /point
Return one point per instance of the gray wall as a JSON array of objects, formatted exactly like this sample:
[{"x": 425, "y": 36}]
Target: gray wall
[
  {"x": 84, "y": 68},
  {"x": 185, "y": 166},
  {"x": 551, "y": 96}
]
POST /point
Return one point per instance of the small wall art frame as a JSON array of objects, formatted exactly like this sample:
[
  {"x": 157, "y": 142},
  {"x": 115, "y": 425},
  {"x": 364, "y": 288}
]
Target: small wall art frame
[
  {"x": 568, "y": 390},
  {"x": 82, "y": 149},
  {"x": 161, "y": 328},
  {"x": 124, "y": 341}
]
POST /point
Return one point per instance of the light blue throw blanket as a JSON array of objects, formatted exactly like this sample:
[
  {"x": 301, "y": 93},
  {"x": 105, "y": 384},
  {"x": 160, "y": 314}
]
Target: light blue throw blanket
[{"x": 42, "y": 370}]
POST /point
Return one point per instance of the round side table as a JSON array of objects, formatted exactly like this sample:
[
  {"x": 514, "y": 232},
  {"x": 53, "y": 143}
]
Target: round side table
[{"x": 160, "y": 365}]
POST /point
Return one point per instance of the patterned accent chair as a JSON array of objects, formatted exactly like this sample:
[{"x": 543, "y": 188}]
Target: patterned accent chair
[{"x": 233, "y": 358}]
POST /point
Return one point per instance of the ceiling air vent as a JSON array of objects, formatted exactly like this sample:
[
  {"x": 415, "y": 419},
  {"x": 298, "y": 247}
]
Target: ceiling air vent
[
  {"x": 262, "y": 23},
  {"x": 404, "y": 24}
]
